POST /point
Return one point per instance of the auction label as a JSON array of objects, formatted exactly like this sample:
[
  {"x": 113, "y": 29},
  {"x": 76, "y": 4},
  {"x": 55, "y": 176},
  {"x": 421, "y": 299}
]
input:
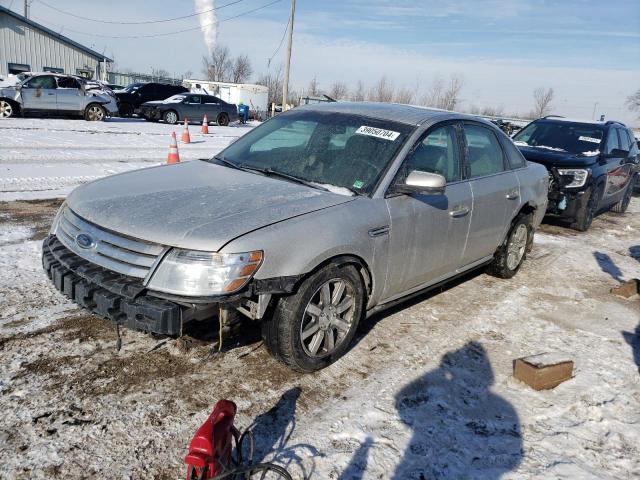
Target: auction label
[
  {"x": 589, "y": 139},
  {"x": 378, "y": 133}
]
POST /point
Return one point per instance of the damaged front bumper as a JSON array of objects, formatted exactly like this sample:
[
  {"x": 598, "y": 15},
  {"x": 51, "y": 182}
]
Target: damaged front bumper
[
  {"x": 565, "y": 203},
  {"x": 126, "y": 301}
]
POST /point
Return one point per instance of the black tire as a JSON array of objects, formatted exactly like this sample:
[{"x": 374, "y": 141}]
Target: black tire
[
  {"x": 587, "y": 213},
  {"x": 171, "y": 117},
  {"x": 125, "y": 110},
  {"x": 223, "y": 120},
  {"x": 94, "y": 112},
  {"x": 623, "y": 204},
  {"x": 502, "y": 265},
  {"x": 282, "y": 332},
  {"x": 8, "y": 108}
]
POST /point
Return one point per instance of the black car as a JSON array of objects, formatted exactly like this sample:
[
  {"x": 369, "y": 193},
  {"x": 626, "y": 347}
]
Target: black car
[
  {"x": 193, "y": 106},
  {"x": 591, "y": 165},
  {"x": 130, "y": 99}
]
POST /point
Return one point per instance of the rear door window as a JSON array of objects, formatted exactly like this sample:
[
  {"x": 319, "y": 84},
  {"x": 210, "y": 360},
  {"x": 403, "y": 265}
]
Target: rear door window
[
  {"x": 484, "y": 154},
  {"x": 612, "y": 141},
  {"x": 68, "y": 82}
]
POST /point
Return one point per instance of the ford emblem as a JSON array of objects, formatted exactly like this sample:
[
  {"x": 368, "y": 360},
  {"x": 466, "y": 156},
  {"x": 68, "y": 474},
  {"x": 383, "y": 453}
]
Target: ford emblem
[{"x": 84, "y": 240}]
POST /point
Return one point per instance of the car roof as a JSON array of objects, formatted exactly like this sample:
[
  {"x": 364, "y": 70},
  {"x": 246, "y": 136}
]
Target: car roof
[
  {"x": 601, "y": 123},
  {"x": 396, "y": 112}
]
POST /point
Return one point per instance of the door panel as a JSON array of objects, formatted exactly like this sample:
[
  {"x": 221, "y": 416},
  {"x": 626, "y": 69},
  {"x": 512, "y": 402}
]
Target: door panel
[
  {"x": 618, "y": 168},
  {"x": 428, "y": 235},
  {"x": 495, "y": 190},
  {"x": 39, "y": 93},
  {"x": 494, "y": 200},
  {"x": 192, "y": 109}
]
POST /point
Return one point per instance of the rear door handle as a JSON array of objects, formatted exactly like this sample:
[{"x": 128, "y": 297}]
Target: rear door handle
[
  {"x": 378, "y": 232},
  {"x": 513, "y": 194},
  {"x": 459, "y": 211}
]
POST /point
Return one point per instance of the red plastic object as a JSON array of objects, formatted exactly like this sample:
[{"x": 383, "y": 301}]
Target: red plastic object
[{"x": 210, "y": 448}]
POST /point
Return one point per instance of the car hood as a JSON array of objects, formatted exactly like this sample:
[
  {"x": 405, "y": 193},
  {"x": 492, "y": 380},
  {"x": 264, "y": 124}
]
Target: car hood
[
  {"x": 551, "y": 158},
  {"x": 196, "y": 205},
  {"x": 154, "y": 103}
]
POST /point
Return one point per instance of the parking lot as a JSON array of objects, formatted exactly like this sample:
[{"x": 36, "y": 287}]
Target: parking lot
[{"x": 75, "y": 407}]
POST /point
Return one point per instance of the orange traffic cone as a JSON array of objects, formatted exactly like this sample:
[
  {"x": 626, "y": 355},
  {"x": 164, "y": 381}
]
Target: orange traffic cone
[
  {"x": 173, "y": 156},
  {"x": 186, "y": 138},
  {"x": 205, "y": 125}
]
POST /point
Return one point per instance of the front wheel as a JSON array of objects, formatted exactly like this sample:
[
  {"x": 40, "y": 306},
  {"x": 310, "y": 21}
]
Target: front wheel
[
  {"x": 512, "y": 252},
  {"x": 314, "y": 327},
  {"x": 170, "y": 117},
  {"x": 94, "y": 113},
  {"x": 587, "y": 213},
  {"x": 623, "y": 204}
]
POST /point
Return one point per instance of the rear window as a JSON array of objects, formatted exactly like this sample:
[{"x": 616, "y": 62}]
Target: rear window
[{"x": 560, "y": 136}]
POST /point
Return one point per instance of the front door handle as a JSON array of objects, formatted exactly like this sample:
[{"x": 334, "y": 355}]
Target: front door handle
[
  {"x": 378, "y": 232},
  {"x": 513, "y": 194},
  {"x": 459, "y": 211}
]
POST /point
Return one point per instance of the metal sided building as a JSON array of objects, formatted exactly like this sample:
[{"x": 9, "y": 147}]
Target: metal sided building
[{"x": 27, "y": 46}]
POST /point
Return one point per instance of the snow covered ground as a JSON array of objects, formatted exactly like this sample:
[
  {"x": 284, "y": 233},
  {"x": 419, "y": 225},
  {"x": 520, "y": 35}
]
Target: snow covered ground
[
  {"x": 42, "y": 158},
  {"x": 426, "y": 392}
]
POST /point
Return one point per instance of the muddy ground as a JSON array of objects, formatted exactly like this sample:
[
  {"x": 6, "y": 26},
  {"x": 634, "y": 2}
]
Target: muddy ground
[{"x": 74, "y": 407}]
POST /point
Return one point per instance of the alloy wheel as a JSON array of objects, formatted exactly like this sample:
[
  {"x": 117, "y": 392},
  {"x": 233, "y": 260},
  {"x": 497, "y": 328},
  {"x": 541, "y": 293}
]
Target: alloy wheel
[
  {"x": 328, "y": 318},
  {"x": 6, "y": 110},
  {"x": 95, "y": 113},
  {"x": 517, "y": 246},
  {"x": 171, "y": 117}
]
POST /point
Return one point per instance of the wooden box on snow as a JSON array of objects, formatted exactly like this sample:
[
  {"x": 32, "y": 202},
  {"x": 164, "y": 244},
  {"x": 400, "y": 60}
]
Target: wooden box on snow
[{"x": 543, "y": 371}]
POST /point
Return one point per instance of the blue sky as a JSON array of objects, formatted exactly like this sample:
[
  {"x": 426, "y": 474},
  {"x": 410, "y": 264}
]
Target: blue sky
[{"x": 587, "y": 50}]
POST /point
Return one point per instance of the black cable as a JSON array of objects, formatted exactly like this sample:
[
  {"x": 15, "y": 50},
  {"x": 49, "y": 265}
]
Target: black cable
[
  {"x": 137, "y": 23},
  {"x": 167, "y": 33},
  {"x": 281, "y": 42}
]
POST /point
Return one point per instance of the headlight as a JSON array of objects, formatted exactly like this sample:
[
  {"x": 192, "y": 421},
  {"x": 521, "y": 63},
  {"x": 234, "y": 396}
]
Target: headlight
[
  {"x": 579, "y": 175},
  {"x": 197, "y": 273}
]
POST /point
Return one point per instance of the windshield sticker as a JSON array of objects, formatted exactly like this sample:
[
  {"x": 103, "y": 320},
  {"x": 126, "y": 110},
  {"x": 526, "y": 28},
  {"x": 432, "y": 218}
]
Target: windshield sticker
[
  {"x": 378, "y": 133},
  {"x": 358, "y": 184},
  {"x": 589, "y": 139}
]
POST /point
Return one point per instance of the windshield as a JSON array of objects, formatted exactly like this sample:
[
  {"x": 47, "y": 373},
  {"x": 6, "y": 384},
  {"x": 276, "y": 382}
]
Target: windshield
[
  {"x": 327, "y": 149},
  {"x": 577, "y": 138},
  {"x": 133, "y": 87},
  {"x": 175, "y": 99}
]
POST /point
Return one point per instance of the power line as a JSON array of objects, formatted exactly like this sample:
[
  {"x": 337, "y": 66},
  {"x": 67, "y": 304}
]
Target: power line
[
  {"x": 286, "y": 28},
  {"x": 166, "y": 33},
  {"x": 136, "y": 23}
]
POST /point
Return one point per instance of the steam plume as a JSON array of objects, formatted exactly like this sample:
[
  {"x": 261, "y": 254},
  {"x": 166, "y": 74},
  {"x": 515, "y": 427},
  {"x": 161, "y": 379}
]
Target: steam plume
[{"x": 208, "y": 22}]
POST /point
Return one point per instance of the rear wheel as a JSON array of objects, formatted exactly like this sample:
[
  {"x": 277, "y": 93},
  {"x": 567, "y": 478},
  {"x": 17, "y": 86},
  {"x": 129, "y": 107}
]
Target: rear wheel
[
  {"x": 6, "y": 109},
  {"x": 170, "y": 117},
  {"x": 510, "y": 255},
  {"x": 314, "y": 327},
  {"x": 94, "y": 112},
  {"x": 223, "y": 120},
  {"x": 623, "y": 204}
]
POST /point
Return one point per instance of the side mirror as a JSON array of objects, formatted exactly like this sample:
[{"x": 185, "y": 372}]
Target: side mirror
[
  {"x": 424, "y": 182},
  {"x": 617, "y": 153}
]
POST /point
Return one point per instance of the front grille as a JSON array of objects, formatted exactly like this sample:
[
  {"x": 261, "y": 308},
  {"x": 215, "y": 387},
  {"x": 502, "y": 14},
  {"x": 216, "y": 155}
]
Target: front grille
[{"x": 120, "y": 254}]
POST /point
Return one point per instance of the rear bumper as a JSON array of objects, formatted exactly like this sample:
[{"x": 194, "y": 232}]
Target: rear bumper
[{"x": 108, "y": 294}]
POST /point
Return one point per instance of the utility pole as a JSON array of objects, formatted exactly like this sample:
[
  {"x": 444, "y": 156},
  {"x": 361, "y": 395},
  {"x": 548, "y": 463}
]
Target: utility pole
[
  {"x": 26, "y": 8},
  {"x": 285, "y": 85}
]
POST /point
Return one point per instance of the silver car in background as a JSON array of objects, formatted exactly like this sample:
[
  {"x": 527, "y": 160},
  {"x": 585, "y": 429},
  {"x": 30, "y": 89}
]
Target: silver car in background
[
  {"x": 45, "y": 94},
  {"x": 309, "y": 223}
]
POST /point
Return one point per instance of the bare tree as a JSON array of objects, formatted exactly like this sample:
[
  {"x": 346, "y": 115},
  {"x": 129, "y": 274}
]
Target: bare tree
[
  {"x": 633, "y": 101},
  {"x": 273, "y": 81},
  {"x": 542, "y": 98},
  {"x": 382, "y": 91},
  {"x": 404, "y": 95},
  {"x": 493, "y": 111},
  {"x": 443, "y": 95},
  {"x": 159, "y": 73},
  {"x": 218, "y": 67},
  {"x": 241, "y": 70},
  {"x": 358, "y": 95},
  {"x": 187, "y": 74},
  {"x": 313, "y": 89},
  {"x": 338, "y": 90}
]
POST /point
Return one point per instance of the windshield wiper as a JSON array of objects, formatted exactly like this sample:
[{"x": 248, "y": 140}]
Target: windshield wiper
[
  {"x": 226, "y": 162},
  {"x": 269, "y": 172}
]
